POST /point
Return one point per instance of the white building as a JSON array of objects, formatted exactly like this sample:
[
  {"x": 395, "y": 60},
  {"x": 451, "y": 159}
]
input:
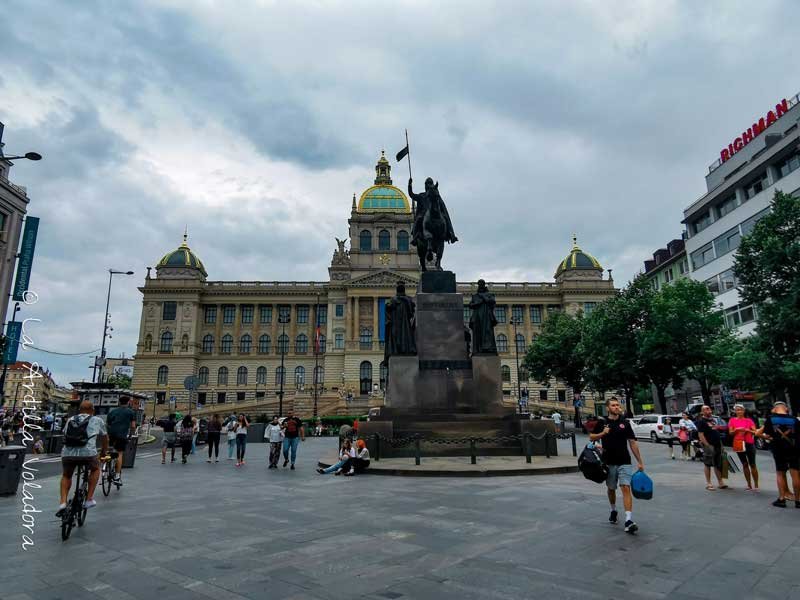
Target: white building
[{"x": 741, "y": 184}]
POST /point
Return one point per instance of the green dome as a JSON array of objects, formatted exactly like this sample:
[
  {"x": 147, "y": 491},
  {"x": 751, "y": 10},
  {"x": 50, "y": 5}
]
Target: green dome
[
  {"x": 577, "y": 259},
  {"x": 383, "y": 198},
  {"x": 182, "y": 257}
]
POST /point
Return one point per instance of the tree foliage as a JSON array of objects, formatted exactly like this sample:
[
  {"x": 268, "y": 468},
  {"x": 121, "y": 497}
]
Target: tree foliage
[{"x": 556, "y": 352}]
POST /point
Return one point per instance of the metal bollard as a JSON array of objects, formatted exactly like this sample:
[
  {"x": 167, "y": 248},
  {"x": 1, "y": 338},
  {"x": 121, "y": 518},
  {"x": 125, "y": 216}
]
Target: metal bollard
[
  {"x": 547, "y": 444},
  {"x": 377, "y": 447},
  {"x": 574, "y": 447},
  {"x": 526, "y": 439},
  {"x": 473, "y": 458},
  {"x": 416, "y": 451}
]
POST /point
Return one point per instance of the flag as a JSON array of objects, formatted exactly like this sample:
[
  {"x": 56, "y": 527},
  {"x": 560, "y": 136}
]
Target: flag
[
  {"x": 402, "y": 154},
  {"x": 317, "y": 335}
]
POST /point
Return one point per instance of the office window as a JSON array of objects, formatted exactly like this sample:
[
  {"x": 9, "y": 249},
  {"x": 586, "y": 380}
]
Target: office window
[
  {"x": 536, "y": 314},
  {"x": 210, "y": 314},
  {"x": 222, "y": 376},
  {"x": 588, "y": 307},
  {"x": 702, "y": 256},
  {"x": 166, "y": 342},
  {"x": 384, "y": 240},
  {"x": 727, "y": 205},
  {"x": 505, "y": 372},
  {"x": 265, "y": 314},
  {"x": 365, "y": 241},
  {"x": 402, "y": 241},
  {"x": 502, "y": 342},
  {"x": 247, "y": 313},
  {"x": 322, "y": 314},
  {"x": 517, "y": 313},
  {"x": 169, "y": 309},
  {"x": 302, "y": 314},
  {"x": 757, "y": 186},
  {"x": 701, "y": 222},
  {"x": 227, "y": 344},
  {"x": 747, "y": 314},
  {"x": 301, "y": 344},
  {"x": 261, "y": 376},
  {"x": 202, "y": 375},
  {"x": 228, "y": 314},
  {"x": 241, "y": 376},
  {"x": 748, "y": 225},
  {"x": 713, "y": 285},
  {"x": 338, "y": 341},
  {"x": 500, "y": 314},
  {"x": 366, "y": 338},
  {"x": 245, "y": 344},
  {"x": 543, "y": 395},
  {"x": 788, "y": 165},
  {"x": 340, "y": 311},
  {"x": 163, "y": 374},
  {"x": 727, "y": 242},
  {"x": 263, "y": 344},
  {"x": 727, "y": 281}
]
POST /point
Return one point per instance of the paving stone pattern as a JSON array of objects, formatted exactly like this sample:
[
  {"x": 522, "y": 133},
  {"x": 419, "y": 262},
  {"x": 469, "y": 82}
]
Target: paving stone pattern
[{"x": 214, "y": 531}]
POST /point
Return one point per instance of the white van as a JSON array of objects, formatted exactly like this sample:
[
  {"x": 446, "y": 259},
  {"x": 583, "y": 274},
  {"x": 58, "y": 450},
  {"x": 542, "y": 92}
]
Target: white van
[{"x": 652, "y": 427}]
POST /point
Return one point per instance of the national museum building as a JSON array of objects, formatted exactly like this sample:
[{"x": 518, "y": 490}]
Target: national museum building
[{"x": 324, "y": 339}]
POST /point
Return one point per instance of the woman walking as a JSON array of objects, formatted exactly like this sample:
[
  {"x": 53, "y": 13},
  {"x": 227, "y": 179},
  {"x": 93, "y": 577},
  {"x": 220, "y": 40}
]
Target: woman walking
[
  {"x": 241, "y": 438},
  {"x": 185, "y": 435},
  {"x": 670, "y": 431},
  {"x": 274, "y": 436},
  {"x": 230, "y": 433},
  {"x": 742, "y": 429},
  {"x": 214, "y": 432},
  {"x": 685, "y": 427}
]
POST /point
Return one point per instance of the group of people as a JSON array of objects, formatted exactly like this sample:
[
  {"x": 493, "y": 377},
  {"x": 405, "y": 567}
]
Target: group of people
[
  {"x": 351, "y": 460},
  {"x": 616, "y": 436}
]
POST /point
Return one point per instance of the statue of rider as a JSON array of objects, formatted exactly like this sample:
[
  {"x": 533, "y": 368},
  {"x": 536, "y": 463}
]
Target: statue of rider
[{"x": 423, "y": 201}]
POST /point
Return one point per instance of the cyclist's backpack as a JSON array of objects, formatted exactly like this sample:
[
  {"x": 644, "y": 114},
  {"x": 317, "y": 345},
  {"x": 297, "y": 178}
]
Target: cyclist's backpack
[
  {"x": 76, "y": 433},
  {"x": 641, "y": 486},
  {"x": 591, "y": 464}
]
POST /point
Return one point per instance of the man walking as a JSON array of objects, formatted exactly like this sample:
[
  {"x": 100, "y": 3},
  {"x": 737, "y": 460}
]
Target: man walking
[
  {"x": 294, "y": 432},
  {"x": 712, "y": 447},
  {"x": 169, "y": 439},
  {"x": 615, "y": 435},
  {"x": 784, "y": 431},
  {"x": 119, "y": 423}
]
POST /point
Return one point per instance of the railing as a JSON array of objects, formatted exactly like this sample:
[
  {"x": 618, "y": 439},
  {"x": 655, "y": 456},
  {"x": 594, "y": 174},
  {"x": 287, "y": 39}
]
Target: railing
[{"x": 267, "y": 284}]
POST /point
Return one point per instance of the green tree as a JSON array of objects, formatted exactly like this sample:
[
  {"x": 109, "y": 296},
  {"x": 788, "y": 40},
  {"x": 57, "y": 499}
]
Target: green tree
[
  {"x": 768, "y": 269},
  {"x": 556, "y": 353},
  {"x": 121, "y": 381}
]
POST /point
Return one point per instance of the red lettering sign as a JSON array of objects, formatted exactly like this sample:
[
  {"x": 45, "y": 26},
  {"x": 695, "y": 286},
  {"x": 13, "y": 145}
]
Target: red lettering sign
[{"x": 753, "y": 132}]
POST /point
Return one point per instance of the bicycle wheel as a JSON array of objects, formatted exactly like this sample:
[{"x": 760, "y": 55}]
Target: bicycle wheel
[
  {"x": 82, "y": 494},
  {"x": 105, "y": 478},
  {"x": 67, "y": 522}
]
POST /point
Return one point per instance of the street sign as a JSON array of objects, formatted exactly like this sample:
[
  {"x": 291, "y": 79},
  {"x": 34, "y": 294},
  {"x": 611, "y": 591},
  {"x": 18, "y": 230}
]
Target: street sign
[
  {"x": 173, "y": 400},
  {"x": 190, "y": 383},
  {"x": 13, "y": 334}
]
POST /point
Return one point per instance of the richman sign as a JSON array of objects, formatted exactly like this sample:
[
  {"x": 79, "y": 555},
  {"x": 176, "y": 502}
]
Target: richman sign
[{"x": 753, "y": 132}]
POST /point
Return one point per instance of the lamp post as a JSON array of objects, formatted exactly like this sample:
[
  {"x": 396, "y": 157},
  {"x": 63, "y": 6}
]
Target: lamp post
[
  {"x": 283, "y": 318},
  {"x": 101, "y": 361},
  {"x": 516, "y": 352},
  {"x": 316, "y": 356}
]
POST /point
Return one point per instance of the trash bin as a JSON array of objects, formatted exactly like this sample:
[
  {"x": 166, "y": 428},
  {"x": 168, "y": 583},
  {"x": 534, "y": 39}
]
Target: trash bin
[
  {"x": 11, "y": 459},
  {"x": 130, "y": 452}
]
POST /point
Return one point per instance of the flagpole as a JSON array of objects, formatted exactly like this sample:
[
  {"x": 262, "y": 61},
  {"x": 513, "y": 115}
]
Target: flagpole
[{"x": 413, "y": 203}]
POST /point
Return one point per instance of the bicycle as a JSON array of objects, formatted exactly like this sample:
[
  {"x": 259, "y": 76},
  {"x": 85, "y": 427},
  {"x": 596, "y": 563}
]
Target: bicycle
[
  {"x": 108, "y": 472},
  {"x": 75, "y": 511}
]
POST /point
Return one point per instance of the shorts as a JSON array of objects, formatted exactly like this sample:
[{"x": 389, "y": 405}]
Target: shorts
[
  {"x": 712, "y": 457},
  {"x": 118, "y": 444},
  {"x": 784, "y": 461},
  {"x": 69, "y": 463},
  {"x": 168, "y": 440},
  {"x": 619, "y": 475},
  {"x": 748, "y": 457}
]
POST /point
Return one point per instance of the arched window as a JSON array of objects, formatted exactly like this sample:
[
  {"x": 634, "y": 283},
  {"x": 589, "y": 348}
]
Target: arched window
[
  {"x": 245, "y": 342},
  {"x": 283, "y": 344},
  {"x": 163, "y": 374},
  {"x": 505, "y": 372},
  {"x": 263, "y": 344},
  {"x": 227, "y": 344},
  {"x": 279, "y": 376},
  {"x": 222, "y": 376},
  {"x": 520, "y": 341},
  {"x": 208, "y": 343},
  {"x": 301, "y": 344},
  {"x": 365, "y": 377},
  {"x": 502, "y": 343},
  {"x": 384, "y": 240},
  {"x": 384, "y": 375},
  {"x": 402, "y": 241},
  {"x": 166, "y": 342},
  {"x": 321, "y": 344},
  {"x": 148, "y": 343},
  {"x": 202, "y": 375},
  {"x": 185, "y": 343},
  {"x": 366, "y": 338},
  {"x": 365, "y": 240},
  {"x": 261, "y": 376},
  {"x": 319, "y": 375},
  {"x": 299, "y": 377},
  {"x": 241, "y": 376}
]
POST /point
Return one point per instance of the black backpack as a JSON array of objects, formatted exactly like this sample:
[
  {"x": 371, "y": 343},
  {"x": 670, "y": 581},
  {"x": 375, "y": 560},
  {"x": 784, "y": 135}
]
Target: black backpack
[
  {"x": 591, "y": 465},
  {"x": 76, "y": 434}
]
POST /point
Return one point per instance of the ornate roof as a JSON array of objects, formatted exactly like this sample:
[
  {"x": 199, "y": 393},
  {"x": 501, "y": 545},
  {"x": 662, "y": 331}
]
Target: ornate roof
[
  {"x": 577, "y": 259},
  {"x": 182, "y": 257},
  {"x": 383, "y": 196}
]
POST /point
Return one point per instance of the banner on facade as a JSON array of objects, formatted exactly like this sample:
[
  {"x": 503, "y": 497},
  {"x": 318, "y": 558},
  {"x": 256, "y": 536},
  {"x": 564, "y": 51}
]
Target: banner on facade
[
  {"x": 25, "y": 261},
  {"x": 13, "y": 335}
]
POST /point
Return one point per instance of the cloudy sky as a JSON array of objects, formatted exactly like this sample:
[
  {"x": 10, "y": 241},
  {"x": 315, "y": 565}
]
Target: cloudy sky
[{"x": 255, "y": 122}]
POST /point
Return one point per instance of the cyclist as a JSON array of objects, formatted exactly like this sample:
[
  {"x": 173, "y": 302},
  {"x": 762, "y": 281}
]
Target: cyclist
[
  {"x": 80, "y": 448},
  {"x": 119, "y": 423}
]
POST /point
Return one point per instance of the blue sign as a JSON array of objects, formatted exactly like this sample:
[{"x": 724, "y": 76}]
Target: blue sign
[
  {"x": 13, "y": 335},
  {"x": 25, "y": 261}
]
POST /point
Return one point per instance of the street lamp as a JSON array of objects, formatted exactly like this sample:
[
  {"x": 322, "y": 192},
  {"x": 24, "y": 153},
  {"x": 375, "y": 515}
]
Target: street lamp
[
  {"x": 316, "y": 356},
  {"x": 283, "y": 318},
  {"x": 515, "y": 322},
  {"x": 28, "y": 155},
  {"x": 111, "y": 273}
]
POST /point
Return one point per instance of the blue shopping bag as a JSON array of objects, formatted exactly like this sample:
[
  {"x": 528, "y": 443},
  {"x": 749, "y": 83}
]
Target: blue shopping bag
[{"x": 641, "y": 486}]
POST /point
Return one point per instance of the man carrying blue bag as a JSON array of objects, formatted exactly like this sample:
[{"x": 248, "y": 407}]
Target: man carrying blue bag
[{"x": 616, "y": 434}]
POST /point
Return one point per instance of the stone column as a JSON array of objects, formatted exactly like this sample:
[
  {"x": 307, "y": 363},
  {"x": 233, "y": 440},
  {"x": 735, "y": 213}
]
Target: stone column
[
  {"x": 356, "y": 328},
  {"x": 375, "y": 333}
]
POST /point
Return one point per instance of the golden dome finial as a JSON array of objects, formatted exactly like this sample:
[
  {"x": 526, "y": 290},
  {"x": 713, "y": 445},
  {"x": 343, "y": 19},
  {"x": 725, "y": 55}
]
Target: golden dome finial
[
  {"x": 185, "y": 237},
  {"x": 574, "y": 240}
]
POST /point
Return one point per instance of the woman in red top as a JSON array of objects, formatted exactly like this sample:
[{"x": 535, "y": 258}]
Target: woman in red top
[{"x": 742, "y": 429}]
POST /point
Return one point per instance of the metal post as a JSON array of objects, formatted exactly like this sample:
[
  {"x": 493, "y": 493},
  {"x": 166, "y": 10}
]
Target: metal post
[
  {"x": 574, "y": 447},
  {"x": 516, "y": 349},
  {"x": 526, "y": 440},
  {"x": 547, "y": 444},
  {"x": 5, "y": 365},
  {"x": 377, "y": 447},
  {"x": 282, "y": 319},
  {"x": 416, "y": 451},
  {"x": 316, "y": 356},
  {"x": 105, "y": 332},
  {"x": 473, "y": 458}
]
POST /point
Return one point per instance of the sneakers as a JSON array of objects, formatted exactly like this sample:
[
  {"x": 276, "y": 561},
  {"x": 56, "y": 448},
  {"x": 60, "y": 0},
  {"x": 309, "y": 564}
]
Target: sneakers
[
  {"x": 350, "y": 473},
  {"x": 780, "y": 503},
  {"x": 612, "y": 518},
  {"x": 90, "y": 503},
  {"x": 285, "y": 462},
  {"x": 238, "y": 464},
  {"x": 337, "y": 472},
  {"x": 215, "y": 460},
  {"x": 61, "y": 509},
  {"x": 320, "y": 470},
  {"x": 630, "y": 527},
  {"x": 292, "y": 467},
  {"x": 208, "y": 460}
]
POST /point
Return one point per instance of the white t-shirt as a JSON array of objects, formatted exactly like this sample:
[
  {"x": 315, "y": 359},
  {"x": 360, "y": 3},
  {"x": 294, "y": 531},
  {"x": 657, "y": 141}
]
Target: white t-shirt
[
  {"x": 273, "y": 433},
  {"x": 229, "y": 430},
  {"x": 556, "y": 417},
  {"x": 240, "y": 429},
  {"x": 688, "y": 423}
]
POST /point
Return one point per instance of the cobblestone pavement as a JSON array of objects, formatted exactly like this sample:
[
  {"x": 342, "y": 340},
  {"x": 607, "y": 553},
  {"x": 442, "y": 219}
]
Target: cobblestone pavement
[{"x": 212, "y": 530}]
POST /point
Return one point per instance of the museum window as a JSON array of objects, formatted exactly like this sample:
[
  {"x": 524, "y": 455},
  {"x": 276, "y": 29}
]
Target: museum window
[
  {"x": 228, "y": 314},
  {"x": 384, "y": 240},
  {"x": 220, "y": 397},
  {"x": 365, "y": 241},
  {"x": 245, "y": 344},
  {"x": 322, "y": 314},
  {"x": 402, "y": 241},
  {"x": 366, "y": 338},
  {"x": 222, "y": 376},
  {"x": 505, "y": 372},
  {"x": 240, "y": 396},
  {"x": 523, "y": 374},
  {"x": 185, "y": 343},
  {"x": 208, "y": 344},
  {"x": 340, "y": 311},
  {"x": 161, "y": 397},
  {"x": 502, "y": 343},
  {"x": 247, "y": 314},
  {"x": 148, "y": 343},
  {"x": 210, "y": 314},
  {"x": 163, "y": 374},
  {"x": 520, "y": 343},
  {"x": 301, "y": 344},
  {"x": 260, "y": 396},
  {"x": 241, "y": 376},
  {"x": 261, "y": 376},
  {"x": 202, "y": 375},
  {"x": 265, "y": 315},
  {"x": 562, "y": 396},
  {"x": 536, "y": 314},
  {"x": 284, "y": 313},
  {"x": 299, "y": 377},
  {"x": 283, "y": 344},
  {"x": 500, "y": 314},
  {"x": 302, "y": 314},
  {"x": 319, "y": 375},
  {"x": 553, "y": 308},
  {"x": 279, "y": 376},
  {"x": 169, "y": 310},
  {"x": 201, "y": 398},
  {"x": 320, "y": 344},
  {"x": 166, "y": 342},
  {"x": 588, "y": 308},
  {"x": 517, "y": 313},
  {"x": 543, "y": 395},
  {"x": 365, "y": 377},
  {"x": 263, "y": 344},
  {"x": 227, "y": 344},
  {"x": 338, "y": 341}
]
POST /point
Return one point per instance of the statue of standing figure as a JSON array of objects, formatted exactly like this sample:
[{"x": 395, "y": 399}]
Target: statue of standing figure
[
  {"x": 399, "y": 328},
  {"x": 482, "y": 321}
]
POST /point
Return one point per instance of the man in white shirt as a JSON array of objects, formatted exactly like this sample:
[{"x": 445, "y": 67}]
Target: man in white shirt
[{"x": 80, "y": 447}]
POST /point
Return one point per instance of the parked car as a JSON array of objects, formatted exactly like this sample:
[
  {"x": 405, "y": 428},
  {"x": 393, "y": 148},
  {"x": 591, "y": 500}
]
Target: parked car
[{"x": 652, "y": 427}]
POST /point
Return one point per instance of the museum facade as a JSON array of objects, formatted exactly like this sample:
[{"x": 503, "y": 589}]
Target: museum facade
[{"x": 324, "y": 339}]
